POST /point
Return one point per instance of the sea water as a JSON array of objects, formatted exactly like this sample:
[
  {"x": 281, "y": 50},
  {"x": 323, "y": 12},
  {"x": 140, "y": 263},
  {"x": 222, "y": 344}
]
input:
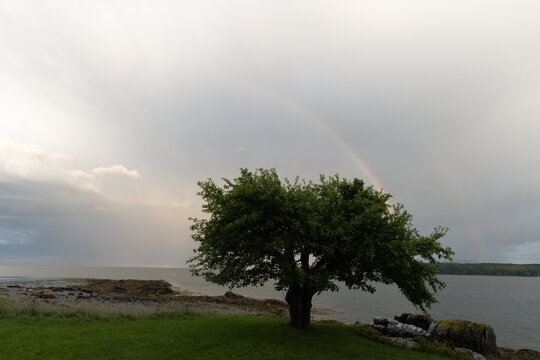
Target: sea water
[{"x": 511, "y": 305}]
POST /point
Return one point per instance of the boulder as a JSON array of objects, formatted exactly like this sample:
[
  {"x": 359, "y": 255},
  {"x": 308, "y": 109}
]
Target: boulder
[
  {"x": 527, "y": 354},
  {"x": 521, "y": 354},
  {"x": 231, "y": 295},
  {"x": 127, "y": 287},
  {"x": 404, "y": 330},
  {"x": 156, "y": 287},
  {"x": 383, "y": 321},
  {"x": 46, "y": 294},
  {"x": 460, "y": 333},
  {"x": 420, "y": 320},
  {"x": 395, "y": 328}
]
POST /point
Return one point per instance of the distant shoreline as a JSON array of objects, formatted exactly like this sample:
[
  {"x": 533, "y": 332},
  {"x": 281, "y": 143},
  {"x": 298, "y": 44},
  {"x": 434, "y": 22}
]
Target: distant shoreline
[{"x": 489, "y": 269}]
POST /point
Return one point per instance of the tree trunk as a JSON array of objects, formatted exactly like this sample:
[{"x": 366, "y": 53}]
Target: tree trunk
[{"x": 299, "y": 300}]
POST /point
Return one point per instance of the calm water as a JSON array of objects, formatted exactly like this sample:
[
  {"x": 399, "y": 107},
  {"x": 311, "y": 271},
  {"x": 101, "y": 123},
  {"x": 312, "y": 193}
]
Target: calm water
[{"x": 511, "y": 305}]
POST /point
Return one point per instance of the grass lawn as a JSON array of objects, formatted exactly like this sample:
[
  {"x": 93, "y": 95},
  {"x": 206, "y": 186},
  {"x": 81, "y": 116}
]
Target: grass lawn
[{"x": 185, "y": 336}]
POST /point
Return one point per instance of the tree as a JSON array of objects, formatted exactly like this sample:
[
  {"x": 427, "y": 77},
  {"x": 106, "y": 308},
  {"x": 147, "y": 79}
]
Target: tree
[{"x": 309, "y": 237}]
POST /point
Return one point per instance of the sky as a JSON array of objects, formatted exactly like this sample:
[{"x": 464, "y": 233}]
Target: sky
[{"x": 111, "y": 111}]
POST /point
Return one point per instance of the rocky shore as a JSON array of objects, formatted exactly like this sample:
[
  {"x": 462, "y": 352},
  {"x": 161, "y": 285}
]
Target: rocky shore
[
  {"x": 478, "y": 341},
  {"x": 136, "y": 297}
]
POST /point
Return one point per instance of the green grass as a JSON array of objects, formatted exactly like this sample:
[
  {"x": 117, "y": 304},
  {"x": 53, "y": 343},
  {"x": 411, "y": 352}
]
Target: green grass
[
  {"x": 8, "y": 308},
  {"x": 53, "y": 335}
]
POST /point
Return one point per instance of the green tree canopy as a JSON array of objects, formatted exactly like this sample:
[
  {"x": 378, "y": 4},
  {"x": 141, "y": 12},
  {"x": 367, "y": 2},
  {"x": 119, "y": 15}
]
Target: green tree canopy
[{"x": 310, "y": 237}]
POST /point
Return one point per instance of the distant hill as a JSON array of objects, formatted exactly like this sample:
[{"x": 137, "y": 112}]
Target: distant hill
[{"x": 489, "y": 269}]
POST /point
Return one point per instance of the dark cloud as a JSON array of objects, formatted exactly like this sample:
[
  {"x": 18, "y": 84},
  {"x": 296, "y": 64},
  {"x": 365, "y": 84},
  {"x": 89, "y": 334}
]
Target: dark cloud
[{"x": 63, "y": 224}]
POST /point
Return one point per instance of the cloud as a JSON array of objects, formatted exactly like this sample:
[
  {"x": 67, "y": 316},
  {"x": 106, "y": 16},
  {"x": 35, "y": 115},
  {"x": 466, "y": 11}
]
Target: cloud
[
  {"x": 31, "y": 162},
  {"x": 438, "y": 99},
  {"x": 57, "y": 208},
  {"x": 116, "y": 170},
  {"x": 55, "y": 221},
  {"x": 79, "y": 174}
]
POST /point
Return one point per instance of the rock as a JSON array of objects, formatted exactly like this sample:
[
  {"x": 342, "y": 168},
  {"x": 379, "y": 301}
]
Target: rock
[
  {"x": 383, "y": 321},
  {"x": 128, "y": 287},
  {"x": 231, "y": 295},
  {"x": 528, "y": 354},
  {"x": 521, "y": 354},
  {"x": 395, "y": 328},
  {"x": 83, "y": 295},
  {"x": 472, "y": 354},
  {"x": 467, "y": 334},
  {"x": 419, "y": 320},
  {"x": 398, "y": 329},
  {"x": 160, "y": 287},
  {"x": 46, "y": 294}
]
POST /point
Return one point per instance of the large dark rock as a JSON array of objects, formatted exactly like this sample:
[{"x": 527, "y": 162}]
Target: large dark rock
[
  {"x": 128, "y": 287},
  {"x": 394, "y": 328},
  {"x": 527, "y": 354},
  {"x": 156, "y": 287},
  {"x": 418, "y": 320},
  {"x": 404, "y": 330},
  {"x": 521, "y": 354},
  {"x": 467, "y": 334},
  {"x": 231, "y": 295},
  {"x": 383, "y": 321}
]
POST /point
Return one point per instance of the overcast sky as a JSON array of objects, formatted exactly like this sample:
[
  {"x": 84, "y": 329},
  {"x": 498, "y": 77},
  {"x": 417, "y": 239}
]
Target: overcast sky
[{"x": 111, "y": 111}]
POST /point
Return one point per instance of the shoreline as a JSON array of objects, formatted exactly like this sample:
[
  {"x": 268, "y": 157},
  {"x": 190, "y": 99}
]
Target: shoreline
[{"x": 136, "y": 297}]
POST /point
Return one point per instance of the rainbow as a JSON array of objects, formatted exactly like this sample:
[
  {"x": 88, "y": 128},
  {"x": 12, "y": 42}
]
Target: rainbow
[
  {"x": 321, "y": 125},
  {"x": 472, "y": 235},
  {"x": 327, "y": 129}
]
